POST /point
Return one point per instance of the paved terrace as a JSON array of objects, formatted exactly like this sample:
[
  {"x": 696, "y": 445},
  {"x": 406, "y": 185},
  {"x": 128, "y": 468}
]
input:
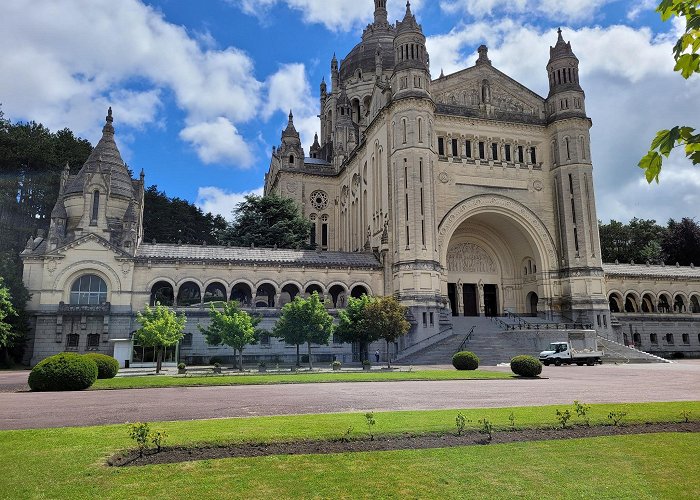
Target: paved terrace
[{"x": 599, "y": 384}]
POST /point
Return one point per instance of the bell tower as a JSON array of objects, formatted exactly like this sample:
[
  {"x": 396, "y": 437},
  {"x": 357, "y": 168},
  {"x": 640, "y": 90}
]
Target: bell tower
[{"x": 568, "y": 127}]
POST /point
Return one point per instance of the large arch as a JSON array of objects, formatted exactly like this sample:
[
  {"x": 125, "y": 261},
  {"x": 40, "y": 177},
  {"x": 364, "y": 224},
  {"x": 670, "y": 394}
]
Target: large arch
[
  {"x": 615, "y": 302},
  {"x": 648, "y": 303},
  {"x": 695, "y": 305},
  {"x": 631, "y": 302},
  {"x": 484, "y": 242},
  {"x": 215, "y": 292},
  {"x": 189, "y": 293},
  {"x": 163, "y": 293},
  {"x": 519, "y": 215},
  {"x": 242, "y": 292}
]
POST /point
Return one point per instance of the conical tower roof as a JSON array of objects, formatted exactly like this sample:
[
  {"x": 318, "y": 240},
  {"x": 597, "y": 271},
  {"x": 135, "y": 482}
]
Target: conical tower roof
[
  {"x": 561, "y": 49},
  {"x": 107, "y": 160}
]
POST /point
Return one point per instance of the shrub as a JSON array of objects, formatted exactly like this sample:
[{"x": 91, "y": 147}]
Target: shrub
[
  {"x": 465, "y": 360},
  {"x": 181, "y": 366},
  {"x": 63, "y": 372},
  {"x": 107, "y": 366},
  {"x": 526, "y": 366}
]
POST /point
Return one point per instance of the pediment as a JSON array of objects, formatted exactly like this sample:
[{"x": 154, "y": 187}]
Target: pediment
[
  {"x": 88, "y": 243},
  {"x": 466, "y": 88}
]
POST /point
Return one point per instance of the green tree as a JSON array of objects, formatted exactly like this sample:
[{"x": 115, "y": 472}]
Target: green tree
[
  {"x": 388, "y": 319},
  {"x": 11, "y": 273},
  {"x": 638, "y": 241},
  {"x": 7, "y": 336},
  {"x": 681, "y": 243},
  {"x": 232, "y": 327},
  {"x": 160, "y": 328},
  {"x": 268, "y": 221},
  {"x": 686, "y": 52},
  {"x": 305, "y": 321},
  {"x": 169, "y": 220},
  {"x": 354, "y": 326}
]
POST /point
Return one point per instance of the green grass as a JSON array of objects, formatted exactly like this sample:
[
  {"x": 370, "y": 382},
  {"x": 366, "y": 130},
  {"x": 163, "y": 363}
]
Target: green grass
[
  {"x": 294, "y": 378},
  {"x": 69, "y": 462}
]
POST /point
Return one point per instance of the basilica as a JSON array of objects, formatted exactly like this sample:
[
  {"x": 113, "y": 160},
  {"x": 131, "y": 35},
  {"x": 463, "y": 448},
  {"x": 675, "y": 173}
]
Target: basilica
[{"x": 468, "y": 197}]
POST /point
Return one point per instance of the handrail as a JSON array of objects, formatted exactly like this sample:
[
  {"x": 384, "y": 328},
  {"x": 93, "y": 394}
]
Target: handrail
[
  {"x": 466, "y": 339},
  {"x": 413, "y": 347}
]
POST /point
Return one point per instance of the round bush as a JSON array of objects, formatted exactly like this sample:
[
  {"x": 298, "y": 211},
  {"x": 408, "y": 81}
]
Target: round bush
[
  {"x": 526, "y": 366},
  {"x": 465, "y": 360},
  {"x": 107, "y": 366},
  {"x": 63, "y": 372}
]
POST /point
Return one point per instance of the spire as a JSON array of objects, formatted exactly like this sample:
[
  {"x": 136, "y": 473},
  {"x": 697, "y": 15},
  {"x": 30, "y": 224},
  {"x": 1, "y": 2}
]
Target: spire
[
  {"x": 380, "y": 13},
  {"x": 108, "y": 128},
  {"x": 561, "y": 49},
  {"x": 561, "y": 38},
  {"x": 290, "y": 131}
]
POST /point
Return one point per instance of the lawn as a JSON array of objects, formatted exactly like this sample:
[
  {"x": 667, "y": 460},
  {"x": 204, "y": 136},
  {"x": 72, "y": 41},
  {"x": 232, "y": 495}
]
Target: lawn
[
  {"x": 69, "y": 462},
  {"x": 142, "y": 382}
]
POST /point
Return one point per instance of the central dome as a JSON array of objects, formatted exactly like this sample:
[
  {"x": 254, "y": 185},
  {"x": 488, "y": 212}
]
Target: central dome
[{"x": 362, "y": 56}]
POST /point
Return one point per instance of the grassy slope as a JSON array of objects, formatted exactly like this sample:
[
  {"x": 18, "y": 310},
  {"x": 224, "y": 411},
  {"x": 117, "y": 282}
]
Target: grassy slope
[
  {"x": 295, "y": 378},
  {"x": 68, "y": 463}
]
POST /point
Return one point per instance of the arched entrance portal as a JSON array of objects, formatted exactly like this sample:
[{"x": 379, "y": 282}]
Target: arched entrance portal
[{"x": 484, "y": 243}]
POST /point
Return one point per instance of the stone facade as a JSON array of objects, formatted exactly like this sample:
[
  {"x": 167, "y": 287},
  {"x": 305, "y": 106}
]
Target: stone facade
[{"x": 467, "y": 195}]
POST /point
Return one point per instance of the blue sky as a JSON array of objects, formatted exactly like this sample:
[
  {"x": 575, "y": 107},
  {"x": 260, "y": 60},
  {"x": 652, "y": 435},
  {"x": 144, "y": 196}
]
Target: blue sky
[{"x": 201, "y": 89}]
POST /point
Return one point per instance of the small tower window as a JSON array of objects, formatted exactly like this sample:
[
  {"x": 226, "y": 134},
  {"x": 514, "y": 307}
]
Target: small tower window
[
  {"x": 533, "y": 155},
  {"x": 441, "y": 146},
  {"x": 95, "y": 207},
  {"x": 508, "y": 157},
  {"x": 420, "y": 130},
  {"x": 468, "y": 149},
  {"x": 482, "y": 150},
  {"x": 291, "y": 159},
  {"x": 494, "y": 150},
  {"x": 521, "y": 157},
  {"x": 455, "y": 147}
]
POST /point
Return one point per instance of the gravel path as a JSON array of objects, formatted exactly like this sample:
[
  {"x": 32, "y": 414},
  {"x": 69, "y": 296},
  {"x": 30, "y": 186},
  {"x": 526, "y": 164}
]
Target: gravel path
[{"x": 599, "y": 384}]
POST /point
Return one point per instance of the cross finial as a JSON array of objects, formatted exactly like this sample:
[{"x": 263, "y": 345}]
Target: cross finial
[{"x": 109, "y": 115}]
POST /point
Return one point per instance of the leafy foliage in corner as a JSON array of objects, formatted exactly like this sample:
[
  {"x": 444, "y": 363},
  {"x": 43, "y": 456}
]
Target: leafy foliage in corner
[
  {"x": 687, "y": 56},
  {"x": 63, "y": 372},
  {"x": 526, "y": 366},
  {"x": 267, "y": 222},
  {"x": 305, "y": 321},
  {"x": 107, "y": 366},
  {"x": 231, "y": 326},
  {"x": 11, "y": 273},
  {"x": 465, "y": 360},
  {"x": 161, "y": 327}
]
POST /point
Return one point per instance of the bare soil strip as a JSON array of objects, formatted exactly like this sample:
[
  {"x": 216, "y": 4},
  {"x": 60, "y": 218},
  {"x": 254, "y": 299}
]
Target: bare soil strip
[{"x": 171, "y": 455}]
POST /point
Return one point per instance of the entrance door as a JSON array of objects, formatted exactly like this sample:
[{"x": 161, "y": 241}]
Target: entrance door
[
  {"x": 490, "y": 300},
  {"x": 533, "y": 299},
  {"x": 470, "y": 300},
  {"x": 452, "y": 295}
]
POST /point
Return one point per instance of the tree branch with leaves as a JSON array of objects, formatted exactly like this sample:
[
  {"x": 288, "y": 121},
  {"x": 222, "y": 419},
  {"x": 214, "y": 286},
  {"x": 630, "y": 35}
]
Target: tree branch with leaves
[
  {"x": 232, "y": 327},
  {"x": 686, "y": 52}
]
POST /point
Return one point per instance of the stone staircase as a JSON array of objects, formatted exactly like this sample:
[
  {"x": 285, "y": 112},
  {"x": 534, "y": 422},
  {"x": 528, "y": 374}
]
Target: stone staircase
[
  {"x": 495, "y": 341},
  {"x": 489, "y": 341},
  {"x": 614, "y": 352}
]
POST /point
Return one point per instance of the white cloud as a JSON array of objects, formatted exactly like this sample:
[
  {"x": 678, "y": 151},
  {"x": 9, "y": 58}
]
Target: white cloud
[
  {"x": 68, "y": 59},
  {"x": 217, "y": 201},
  {"x": 289, "y": 89},
  {"x": 567, "y": 10},
  {"x": 640, "y": 6},
  {"x": 335, "y": 15},
  {"x": 218, "y": 141},
  {"x": 631, "y": 92}
]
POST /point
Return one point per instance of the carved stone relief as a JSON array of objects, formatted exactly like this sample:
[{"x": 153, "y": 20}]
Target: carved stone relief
[{"x": 470, "y": 258}]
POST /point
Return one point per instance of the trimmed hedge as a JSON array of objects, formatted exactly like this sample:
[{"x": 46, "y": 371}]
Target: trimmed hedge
[
  {"x": 107, "y": 366},
  {"x": 526, "y": 366},
  {"x": 63, "y": 372},
  {"x": 465, "y": 360}
]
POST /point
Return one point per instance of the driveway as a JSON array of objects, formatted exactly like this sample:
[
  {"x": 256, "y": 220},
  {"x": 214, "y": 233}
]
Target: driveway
[{"x": 599, "y": 384}]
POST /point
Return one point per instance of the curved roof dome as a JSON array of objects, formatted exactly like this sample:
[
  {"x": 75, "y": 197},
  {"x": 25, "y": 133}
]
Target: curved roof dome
[
  {"x": 107, "y": 160},
  {"x": 362, "y": 56}
]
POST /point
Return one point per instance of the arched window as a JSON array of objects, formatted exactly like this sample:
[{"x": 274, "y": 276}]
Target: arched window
[
  {"x": 420, "y": 130},
  {"x": 215, "y": 292},
  {"x": 405, "y": 131},
  {"x": 291, "y": 159},
  {"x": 95, "y": 207},
  {"x": 88, "y": 290},
  {"x": 162, "y": 293}
]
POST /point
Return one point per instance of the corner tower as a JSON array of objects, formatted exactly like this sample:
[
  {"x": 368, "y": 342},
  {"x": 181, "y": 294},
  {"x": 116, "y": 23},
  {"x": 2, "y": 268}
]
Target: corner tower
[
  {"x": 413, "y": 237},
  {"x": 577, "y": 220}
]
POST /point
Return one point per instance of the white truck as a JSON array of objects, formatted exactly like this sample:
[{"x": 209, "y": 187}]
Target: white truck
[{"x": 559, "y": 353}]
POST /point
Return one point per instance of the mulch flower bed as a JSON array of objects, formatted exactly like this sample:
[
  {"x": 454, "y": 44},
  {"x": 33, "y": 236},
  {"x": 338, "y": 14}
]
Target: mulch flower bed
[{"x": 178, "y": 454}]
